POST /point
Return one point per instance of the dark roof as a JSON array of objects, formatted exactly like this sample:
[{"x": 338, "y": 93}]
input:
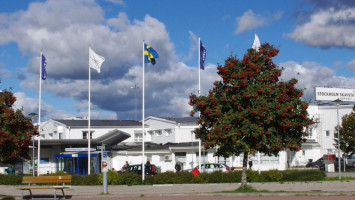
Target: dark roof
[
  {"x": 95, "y": 122},
  {"x": 111, "y": 138},
  {"x": 154, "y": 146},
  {"x": 182, "y": 120}
]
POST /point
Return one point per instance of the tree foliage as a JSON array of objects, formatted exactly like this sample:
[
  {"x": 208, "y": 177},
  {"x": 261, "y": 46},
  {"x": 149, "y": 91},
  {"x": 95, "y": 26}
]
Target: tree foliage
[
  {"x": 250, "y": 109},
  {"x": 15, "y": 130},
  {"x": 347, "y": 133}
]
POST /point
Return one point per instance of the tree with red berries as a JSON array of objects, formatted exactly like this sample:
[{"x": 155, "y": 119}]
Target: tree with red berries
[
  {"x": 15, "y": 130},
  {"x": 250, "y": 110}
]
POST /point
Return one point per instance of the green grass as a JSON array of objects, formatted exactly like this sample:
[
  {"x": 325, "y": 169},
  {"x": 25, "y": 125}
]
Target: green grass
[
  {"x": 246, "y": 189},
  {"x": 337, "y": 178}
]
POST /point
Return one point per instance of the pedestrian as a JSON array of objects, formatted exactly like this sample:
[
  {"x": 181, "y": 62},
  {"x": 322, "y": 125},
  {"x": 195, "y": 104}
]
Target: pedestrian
[
  {"x": 10, "y": 170},
  {"x": 178, "y": 166},
  {"x": 147, "y": 167},
  {"x": 250, "y": 161}
]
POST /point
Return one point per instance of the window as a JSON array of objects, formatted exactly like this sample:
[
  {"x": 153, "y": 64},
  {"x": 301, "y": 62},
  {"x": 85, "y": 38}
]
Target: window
[
  {"x": 309, "y": 132},
  {"x": 168, "y": 132},
  {"x": 327, "y": 133},
  {"x": 138, "y": 137},
  {"x": 158, "y": 133},
  {"x": 85, "y": 133}
]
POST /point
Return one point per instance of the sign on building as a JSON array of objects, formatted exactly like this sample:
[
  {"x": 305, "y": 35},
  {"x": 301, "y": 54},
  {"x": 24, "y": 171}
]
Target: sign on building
[{"x": 332, "y": 94}]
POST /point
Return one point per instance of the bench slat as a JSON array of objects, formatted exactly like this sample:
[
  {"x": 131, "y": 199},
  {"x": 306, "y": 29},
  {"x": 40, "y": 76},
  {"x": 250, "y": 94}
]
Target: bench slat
[{"x": 46, "y": 179}]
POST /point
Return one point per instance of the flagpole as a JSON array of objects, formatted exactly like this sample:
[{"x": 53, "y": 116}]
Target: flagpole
[
  {"x": 199, "y": 93},
  {"x": 39, "y": 115},
  {"x": 89, "y": 118},
  {"x": 143, "y": 168}
]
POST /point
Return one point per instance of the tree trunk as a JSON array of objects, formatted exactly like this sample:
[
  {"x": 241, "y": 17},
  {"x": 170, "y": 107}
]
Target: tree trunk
[{"x": 244, "y": 172}]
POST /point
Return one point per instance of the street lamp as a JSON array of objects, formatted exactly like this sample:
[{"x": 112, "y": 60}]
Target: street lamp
[
  {"x": 338, "y": 102},
  {"x": 33, "y": 115}
]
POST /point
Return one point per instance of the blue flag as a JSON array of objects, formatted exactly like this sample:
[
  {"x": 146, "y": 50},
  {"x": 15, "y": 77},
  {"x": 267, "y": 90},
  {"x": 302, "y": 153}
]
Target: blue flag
[
  {"x": 150, "y": 54},
  {"x": 43, "y": 63},
  {"x": 202, "y": 56}
]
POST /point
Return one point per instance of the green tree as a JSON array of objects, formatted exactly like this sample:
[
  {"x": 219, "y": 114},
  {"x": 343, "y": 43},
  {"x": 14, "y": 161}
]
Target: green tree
[
  {"x": 15, "y": 130},
  {"x": 250, "y": 109},
  {"x": 347, "y": 133}
]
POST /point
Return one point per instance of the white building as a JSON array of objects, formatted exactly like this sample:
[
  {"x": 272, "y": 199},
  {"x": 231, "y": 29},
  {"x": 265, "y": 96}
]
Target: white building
[{"x": 167, "y": 140}]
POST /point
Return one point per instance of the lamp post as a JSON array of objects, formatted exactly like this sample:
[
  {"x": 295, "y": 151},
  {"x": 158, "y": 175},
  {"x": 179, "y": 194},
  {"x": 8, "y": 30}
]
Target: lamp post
[
  {"x": 33, "y": 115},
  {"x": 338, "y": 102}
]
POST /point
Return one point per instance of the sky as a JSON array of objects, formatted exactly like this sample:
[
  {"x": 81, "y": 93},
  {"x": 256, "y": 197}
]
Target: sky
[{"x": 316, "y": 39}]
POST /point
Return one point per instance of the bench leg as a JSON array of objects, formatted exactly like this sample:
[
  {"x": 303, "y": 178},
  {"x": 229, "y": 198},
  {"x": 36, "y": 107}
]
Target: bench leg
[
  {"x": 30, "y": 194},
  {"x": 63, "y": 193}
]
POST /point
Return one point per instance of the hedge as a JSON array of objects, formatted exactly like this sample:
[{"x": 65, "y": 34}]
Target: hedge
[{"x": 184, "y": 177}]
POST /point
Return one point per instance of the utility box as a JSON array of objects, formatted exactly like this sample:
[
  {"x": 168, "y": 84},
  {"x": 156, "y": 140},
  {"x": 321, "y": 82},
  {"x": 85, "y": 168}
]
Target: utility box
[{"x": 329, "y": 162}]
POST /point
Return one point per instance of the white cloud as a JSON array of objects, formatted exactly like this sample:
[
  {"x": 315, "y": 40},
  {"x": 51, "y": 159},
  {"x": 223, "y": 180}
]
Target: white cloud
[
  {"x": 328, "y": 27},
  {"x": 248, "y": 21},
  {"x": 310, "y": 75},
  {"x": 118, "y": 2},
  {"x": 351, "y": 65}
]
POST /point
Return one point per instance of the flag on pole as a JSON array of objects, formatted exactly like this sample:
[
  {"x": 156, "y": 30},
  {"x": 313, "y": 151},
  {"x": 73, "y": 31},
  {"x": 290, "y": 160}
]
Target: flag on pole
[
  {"x": 150, "y": 54},
  {"x": 95, "y": 60},
  {"x": 256, "y": 43},
  {"x": 202, "y": 55},
  {"x": 43, "y": 66}
]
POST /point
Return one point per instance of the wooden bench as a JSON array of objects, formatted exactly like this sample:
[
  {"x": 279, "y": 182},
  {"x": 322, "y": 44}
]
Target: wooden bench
[{"x": 52, "y": 180}]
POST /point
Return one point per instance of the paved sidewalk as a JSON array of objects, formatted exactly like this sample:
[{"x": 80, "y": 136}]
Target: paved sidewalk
[{"x": 95, "y": 192}]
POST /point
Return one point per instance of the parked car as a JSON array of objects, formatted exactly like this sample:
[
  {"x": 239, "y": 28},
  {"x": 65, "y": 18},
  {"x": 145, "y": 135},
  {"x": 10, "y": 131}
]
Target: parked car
[
  {"x": 321, "y": 166},
  {"x": 212, "y": 167},
  {"x": 317, "y": 164},
  {"x": 350, "y": 161},
  {"x": 149, "y": 169}
]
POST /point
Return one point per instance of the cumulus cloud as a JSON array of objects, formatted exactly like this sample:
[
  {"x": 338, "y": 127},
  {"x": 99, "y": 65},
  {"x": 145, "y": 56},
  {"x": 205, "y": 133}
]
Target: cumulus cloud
[
  {"x": 30, "y": 105},
  {"x": 331, "y": 24},
  {"x": 65, "y": 42},
  {"x": 248, "y": 21},
  {"x": 311, "y": 74}
]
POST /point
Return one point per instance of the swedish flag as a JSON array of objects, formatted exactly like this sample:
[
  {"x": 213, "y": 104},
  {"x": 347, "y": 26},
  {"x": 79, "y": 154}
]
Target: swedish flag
[{"x": 150, "y": 54}]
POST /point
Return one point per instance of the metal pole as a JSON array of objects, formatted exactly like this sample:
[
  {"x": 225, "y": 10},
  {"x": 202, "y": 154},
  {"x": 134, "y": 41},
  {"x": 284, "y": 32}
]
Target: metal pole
[
  {"x": 338, "y": 101},
  {"x": 33, "y": 146}
]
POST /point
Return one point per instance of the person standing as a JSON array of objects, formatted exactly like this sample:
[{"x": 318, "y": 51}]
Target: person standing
[
  {"x": 178, "y": 166},
  {"x": 250, "y": 161}
]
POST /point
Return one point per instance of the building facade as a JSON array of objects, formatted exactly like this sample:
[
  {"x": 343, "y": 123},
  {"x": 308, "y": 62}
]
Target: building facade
[{"x": 167, "y": 140}]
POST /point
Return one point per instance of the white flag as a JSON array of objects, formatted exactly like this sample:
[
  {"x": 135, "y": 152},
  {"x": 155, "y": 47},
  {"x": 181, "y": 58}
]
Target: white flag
[
  {"x": 256, "y": 43},
  {"x": 95, "y": 60}
]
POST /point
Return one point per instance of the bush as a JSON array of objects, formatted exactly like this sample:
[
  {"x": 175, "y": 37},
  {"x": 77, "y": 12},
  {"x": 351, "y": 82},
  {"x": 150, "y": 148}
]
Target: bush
[
  {"x": 273, "y": 176},
  {"x": 129, "y": 178},
  {"x": 92, "y": 179},
  {"x": 173, "y": 178},
  {"x": 184, "y": 177},
  {"x": 306, "y": 175},
  {"x": 10, "y": 179}
]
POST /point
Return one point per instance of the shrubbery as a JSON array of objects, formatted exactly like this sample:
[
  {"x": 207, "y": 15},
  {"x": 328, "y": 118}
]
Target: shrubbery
[
  {"x": 184, "y": 177},
  {"x": 10, "y": 179}
]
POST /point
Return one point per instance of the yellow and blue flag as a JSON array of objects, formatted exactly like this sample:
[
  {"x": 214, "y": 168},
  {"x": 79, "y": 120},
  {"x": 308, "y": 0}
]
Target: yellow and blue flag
[{"x": 150, "y": 54}]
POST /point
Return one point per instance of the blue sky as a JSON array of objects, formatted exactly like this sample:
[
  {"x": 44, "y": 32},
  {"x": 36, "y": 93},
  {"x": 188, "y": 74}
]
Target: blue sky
[{"x": 316, "y": 39}]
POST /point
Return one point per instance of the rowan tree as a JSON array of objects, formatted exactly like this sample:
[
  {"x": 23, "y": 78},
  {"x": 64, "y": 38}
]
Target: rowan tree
[
  {"x": 15, "y": 130},
  {"x": 250, "y": 110},
  {"x": 347, "y": 133}
]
